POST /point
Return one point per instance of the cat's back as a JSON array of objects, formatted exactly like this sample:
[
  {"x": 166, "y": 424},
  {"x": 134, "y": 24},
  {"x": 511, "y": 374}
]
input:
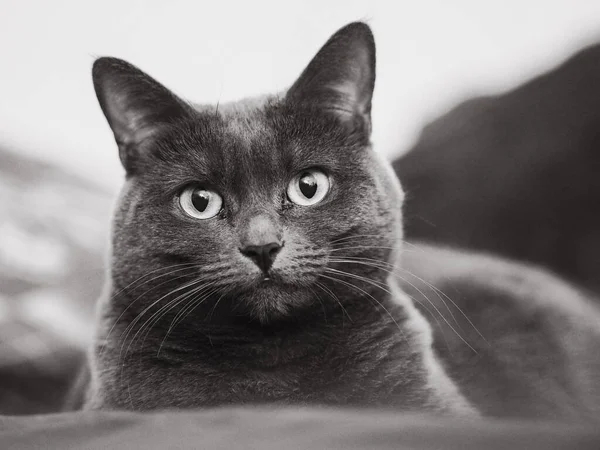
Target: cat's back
[{"x": 517, "y": 340}]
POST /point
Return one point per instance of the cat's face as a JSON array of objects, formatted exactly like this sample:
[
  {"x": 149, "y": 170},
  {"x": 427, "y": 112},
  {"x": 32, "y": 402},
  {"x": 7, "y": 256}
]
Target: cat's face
[{"x": 258, "y": 206}]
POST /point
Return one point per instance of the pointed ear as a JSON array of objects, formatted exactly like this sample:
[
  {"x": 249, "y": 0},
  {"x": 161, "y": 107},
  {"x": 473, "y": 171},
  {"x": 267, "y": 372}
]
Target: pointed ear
[
  {"x": 135, "y": 105},
  {"x": 341, "y": 77}
]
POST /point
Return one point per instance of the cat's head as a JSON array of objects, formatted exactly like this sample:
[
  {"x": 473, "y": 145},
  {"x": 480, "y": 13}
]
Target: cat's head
[{"x": 258, "y": 206}]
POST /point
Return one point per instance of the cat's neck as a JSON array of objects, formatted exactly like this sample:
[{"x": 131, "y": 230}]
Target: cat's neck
[{"x": 377, "y": 339}]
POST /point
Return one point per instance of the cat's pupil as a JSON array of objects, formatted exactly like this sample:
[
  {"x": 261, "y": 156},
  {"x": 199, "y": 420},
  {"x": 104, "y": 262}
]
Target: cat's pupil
[
  {"x": 308, "y": 185},
  {"x": 200, "y": 200}
]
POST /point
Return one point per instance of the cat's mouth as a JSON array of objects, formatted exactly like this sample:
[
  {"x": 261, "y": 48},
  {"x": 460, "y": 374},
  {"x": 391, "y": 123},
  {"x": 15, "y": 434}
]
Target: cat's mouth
[
  {"x": 271, "y": 297},
  {"x": 270, "y": 281}
]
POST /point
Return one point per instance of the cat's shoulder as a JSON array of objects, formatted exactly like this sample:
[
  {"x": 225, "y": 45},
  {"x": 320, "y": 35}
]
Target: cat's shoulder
[
  {"x": 516, "y": 338},
  {"x": 525, "y": 288}
]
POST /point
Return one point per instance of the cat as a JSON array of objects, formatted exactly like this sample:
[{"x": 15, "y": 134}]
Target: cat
[{"x": 258, "y": 258}]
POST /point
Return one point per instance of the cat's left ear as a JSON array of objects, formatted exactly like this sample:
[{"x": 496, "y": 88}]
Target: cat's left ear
[
  {"x": 340, "y": 79},
  {"x": 135, "y": 105}
]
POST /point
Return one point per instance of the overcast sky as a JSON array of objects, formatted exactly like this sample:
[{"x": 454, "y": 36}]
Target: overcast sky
[{"x": 431, "y": 55}]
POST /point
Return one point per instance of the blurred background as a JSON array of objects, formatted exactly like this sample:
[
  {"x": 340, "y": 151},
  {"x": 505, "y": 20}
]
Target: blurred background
[
  {"x": 59, "y": 169},
  {"x": 431, "y": 54}
]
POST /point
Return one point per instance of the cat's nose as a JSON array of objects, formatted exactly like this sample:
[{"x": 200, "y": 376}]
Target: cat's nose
[{"x": 262, "y": 255}]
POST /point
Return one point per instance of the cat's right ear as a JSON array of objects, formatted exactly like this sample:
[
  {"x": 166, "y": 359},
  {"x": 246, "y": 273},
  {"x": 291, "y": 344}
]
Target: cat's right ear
[
  {"x": 340, "y": 79},
  {"x": 135, "y": 105}
]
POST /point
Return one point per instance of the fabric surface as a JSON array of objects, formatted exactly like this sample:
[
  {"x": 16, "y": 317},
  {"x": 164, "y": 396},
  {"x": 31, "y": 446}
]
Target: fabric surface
[{"x": 283, "y": 429}]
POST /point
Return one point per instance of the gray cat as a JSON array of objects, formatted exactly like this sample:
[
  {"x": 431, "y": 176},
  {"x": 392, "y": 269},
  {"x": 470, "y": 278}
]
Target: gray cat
[{"x": 257, "y": 257}]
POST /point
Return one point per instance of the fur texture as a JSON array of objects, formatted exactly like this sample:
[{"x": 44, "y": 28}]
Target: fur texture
[{"x": 188, "y": 320}]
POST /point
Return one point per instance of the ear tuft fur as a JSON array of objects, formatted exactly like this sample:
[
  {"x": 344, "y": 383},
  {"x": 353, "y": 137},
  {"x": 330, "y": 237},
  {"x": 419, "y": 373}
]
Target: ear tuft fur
[
  {"x": 341, "y": 77},
  {"x": 135, "y": 105}
]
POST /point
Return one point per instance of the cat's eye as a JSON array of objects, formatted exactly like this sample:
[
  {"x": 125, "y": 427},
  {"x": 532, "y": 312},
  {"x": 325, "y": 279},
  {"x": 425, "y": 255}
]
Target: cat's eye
[
  {"x": 308, "y": 187},
  {"x": 200, "y": 203}
]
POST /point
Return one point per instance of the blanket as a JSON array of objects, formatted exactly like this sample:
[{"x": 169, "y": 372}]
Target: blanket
[{"x": 283, "y": 428}]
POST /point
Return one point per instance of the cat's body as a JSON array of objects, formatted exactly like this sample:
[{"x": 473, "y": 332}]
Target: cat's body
[
  {"x": 516, "y": 340},
  {"x": 354, "y": 358},
  {"x": 256, "y": 259}
]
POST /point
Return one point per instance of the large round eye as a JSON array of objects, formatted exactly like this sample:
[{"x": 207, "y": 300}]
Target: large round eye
[
  {"x": 200, "y": 203},
  {"x": 308, "y": 188}
]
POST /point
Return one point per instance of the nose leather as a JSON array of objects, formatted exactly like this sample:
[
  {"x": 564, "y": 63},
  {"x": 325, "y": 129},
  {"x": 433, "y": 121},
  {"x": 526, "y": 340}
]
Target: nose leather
[
  {"x": 262, "y": 255},
  {"x": 261, "y": 240}
]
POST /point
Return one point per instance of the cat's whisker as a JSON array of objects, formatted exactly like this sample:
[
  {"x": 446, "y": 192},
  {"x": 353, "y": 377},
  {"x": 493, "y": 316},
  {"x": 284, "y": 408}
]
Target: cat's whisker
[
  {"x": 206, "y": 271},
  {"x": 120, "y": 291},
  {"x": 379, "y": 285},
  {"x": 385, "y": 266},
  {"x": 180, "y": 316},
  {"x": 211, "y": 271},
  {"x": 379, "y": 236},
  {"x": 190, "y": 266},
  {"x": 165, "y": 309},
  {"x": 435, "y": 289},
  {"x": 433, "y": 316},
  {"x": 212, "y": 311},
  {"x": 432, "y": 304},
  {"x": 370, "y": 247},
  {"x": 335, "y": 297},
  {"x": 150, "y": 322},
  {"x": 118, "y": 319},
  {"x": 423, "y": 305},
  {"x": 196, "y": 301},
  {"x": 415, "y": 287},
  {"x": 320, "y": 301},
  {"x": 311, "y": 254},
  {"x": 368, "y": 294},
  {"x": 390, "y": 269},
  {"x": 133, "y": 323}
]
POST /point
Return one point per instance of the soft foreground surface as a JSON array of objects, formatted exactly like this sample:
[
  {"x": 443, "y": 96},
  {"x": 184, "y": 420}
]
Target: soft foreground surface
[{"x": 283, "y": 428}]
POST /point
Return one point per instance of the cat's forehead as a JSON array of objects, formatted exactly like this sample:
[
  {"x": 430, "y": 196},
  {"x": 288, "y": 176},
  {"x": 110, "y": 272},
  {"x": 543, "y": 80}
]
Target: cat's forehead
[
  {"x": 235, "y": 146},
  {"x": 247, "y": 135},
  {"x": 259, "y": 132},
  {"x": 242, "y": 121},
  {"x": 255, "y": 145}
]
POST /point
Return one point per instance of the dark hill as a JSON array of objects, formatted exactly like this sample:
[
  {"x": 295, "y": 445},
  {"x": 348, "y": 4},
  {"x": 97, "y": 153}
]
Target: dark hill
[{"x": 516, "y": 174}]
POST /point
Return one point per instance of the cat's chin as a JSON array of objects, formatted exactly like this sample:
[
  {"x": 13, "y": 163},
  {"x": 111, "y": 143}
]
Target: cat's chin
[{"x": 269, "y": 300}]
